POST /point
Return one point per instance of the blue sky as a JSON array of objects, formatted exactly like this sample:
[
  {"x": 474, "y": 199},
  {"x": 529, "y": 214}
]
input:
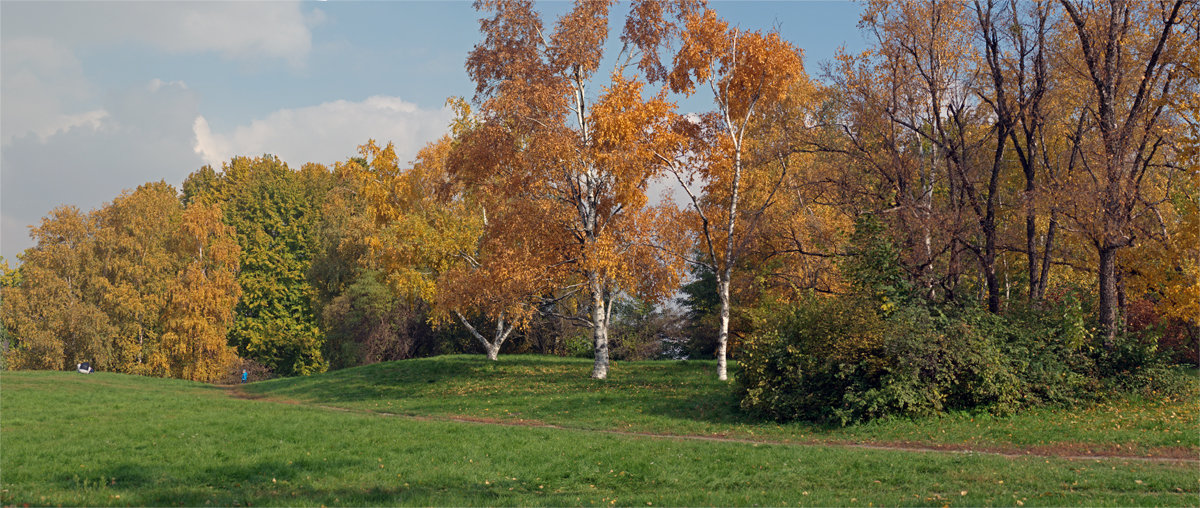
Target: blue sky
[{"x": 99, "y": 97}]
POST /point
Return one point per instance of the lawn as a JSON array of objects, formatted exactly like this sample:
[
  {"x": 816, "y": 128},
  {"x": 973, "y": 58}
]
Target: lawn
[
  {"x": 685, "y": 398},
  {"x": 108, "y": 439}
]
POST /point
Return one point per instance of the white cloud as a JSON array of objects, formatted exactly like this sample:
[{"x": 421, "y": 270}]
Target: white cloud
[
  {"x": 238, "y": 30},
  {"x": 43, "y": 89},
  {"x": 325, "y": 133},
  {"x": 144, "y": 135}
]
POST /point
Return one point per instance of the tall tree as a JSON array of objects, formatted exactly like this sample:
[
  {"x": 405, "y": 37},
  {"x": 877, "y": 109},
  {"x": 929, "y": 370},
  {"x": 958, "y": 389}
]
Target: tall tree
[
  {"x": 1016, "y": 43},
  {"x": 136, "y": 263},
  {"x": 1130, "y": 54},
  {"x": 275, "y": 212},
  {"x": 748, "y": 73},
  {"x": 201, "y": 297},
  {"x": 581, "y": 163},
  {"x": 52, "y": 315},
  {"x": 926, "y": 46}
]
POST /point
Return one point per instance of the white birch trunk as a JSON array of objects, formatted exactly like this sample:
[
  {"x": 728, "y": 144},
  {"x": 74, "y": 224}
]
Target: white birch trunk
[
  {"x": 599, "y": 328},
  {"x": 492, "y": 347},
  {"x": 723, "y": 334}
]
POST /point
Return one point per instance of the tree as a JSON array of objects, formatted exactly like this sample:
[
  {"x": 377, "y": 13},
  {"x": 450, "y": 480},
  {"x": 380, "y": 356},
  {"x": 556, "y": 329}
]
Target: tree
[
  {"x": 445, "y": 246},
  {"x": 275, "y": 212},
  {"x": 199, "y": 310},
  {"x": 1016, "y": 40},
  {"x": 136, "y": 264},
  {"x": 1129, "y": 53},
  {"x": 581, "y": 165},
  {"x": 747, "y": 73},
  {"x": 52, "y": 315}
]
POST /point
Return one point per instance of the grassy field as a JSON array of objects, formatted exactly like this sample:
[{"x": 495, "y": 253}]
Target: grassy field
[
  {"x": 107, "y": 439},
  {"x": 685, "y": 398}
]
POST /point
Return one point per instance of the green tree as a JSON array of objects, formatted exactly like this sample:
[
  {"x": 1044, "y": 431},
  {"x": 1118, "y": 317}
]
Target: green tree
[{"x": 276, "y": 213}]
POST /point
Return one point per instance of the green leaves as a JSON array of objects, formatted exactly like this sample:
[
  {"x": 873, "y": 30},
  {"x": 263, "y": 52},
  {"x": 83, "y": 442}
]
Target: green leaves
[{"x": 275, "y": 212}]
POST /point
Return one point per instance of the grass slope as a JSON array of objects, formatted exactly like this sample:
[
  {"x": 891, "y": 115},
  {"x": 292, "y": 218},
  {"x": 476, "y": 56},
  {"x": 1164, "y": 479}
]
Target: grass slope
[
  {"x": 109, "y": 439},
  {"x": 686, "y": 398}
]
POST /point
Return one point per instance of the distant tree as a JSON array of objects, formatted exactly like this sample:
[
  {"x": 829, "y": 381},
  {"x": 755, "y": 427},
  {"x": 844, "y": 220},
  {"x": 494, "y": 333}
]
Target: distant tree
[
  {"x": 52, "y": 315},
  {"x": 275, "y": 212},
  {"x": 136, "y": 264},
  {"x": 201, "y": 297}
]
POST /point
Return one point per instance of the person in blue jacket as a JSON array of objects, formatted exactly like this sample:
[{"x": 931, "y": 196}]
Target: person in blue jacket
[{"x": 244, "y": 374}]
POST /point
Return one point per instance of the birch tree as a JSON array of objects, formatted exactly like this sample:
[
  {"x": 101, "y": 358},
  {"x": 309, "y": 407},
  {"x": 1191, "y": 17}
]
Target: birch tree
[
  {"x": 746, "y": 72},
  {"x": 581, "y": 161}
]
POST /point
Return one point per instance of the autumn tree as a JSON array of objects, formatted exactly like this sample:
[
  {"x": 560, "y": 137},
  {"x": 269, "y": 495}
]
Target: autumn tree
[
  {"x": 1017, "y": 61},
  {"x": 200, "y": 298},
  {"x": 748, "y": 72},
  {"x": 1129, "y": 57},
  {"x": 890, "y": 171},
  {"x": 444, "y": 246},
  {"x": 581, "y": 163},
  {"x": 136, "y": 265},
  {"x": 52, "y": 315}
]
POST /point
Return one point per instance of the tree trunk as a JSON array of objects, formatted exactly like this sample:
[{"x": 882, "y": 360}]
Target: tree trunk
[
  {"x": 723, "y": 333},
  {"x": 989, "y": 270},
  {"x": 599, "y": 329},
  {"x": 1122, "y": 303},
  {"x": 493, "y": 352},
  {"x": 1031, "y": 247},
  {"x": 1044, "y": 278},
  {"x": 1108, "y": 295},
  {"x": 492, "y": 347}
]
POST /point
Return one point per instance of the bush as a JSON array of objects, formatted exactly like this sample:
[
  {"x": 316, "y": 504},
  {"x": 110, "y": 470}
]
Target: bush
[
  {"x": 817, "y": 357},
  {"x": 848, "y": 359},
  {"x": 840, "y": 361},
  {"x": 882, "y": 351},
  {"x": 254, "y": 372}
]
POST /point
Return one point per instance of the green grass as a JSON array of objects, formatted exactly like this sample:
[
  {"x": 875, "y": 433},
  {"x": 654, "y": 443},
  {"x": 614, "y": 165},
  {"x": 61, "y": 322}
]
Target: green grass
[
  {"x": 686, "y": 398},
  {"x": 108, "y": 439}
]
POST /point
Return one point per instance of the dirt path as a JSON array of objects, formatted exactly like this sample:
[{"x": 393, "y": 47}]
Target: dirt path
[{"x": 1066, "y": 451}]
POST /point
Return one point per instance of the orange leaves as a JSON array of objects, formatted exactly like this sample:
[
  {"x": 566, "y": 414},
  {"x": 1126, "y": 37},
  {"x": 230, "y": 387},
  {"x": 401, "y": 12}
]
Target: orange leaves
[
  {"x": 706, "y": 42},
  {"x": 743, "y": 67},
  {"x": 627, "y": 133},
  {"x": 580, "y": 168},
  {"x": 577, "y": 44}
]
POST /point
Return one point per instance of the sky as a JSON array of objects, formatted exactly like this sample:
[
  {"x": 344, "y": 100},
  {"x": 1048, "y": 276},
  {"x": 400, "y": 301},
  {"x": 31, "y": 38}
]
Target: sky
[{"x": 99, "y": 97}]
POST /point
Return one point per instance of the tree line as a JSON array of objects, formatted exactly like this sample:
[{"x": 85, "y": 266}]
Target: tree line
[{"x": 1000, "y": 153}]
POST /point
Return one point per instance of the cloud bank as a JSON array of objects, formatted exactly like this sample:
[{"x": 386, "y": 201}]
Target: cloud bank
[{"x": 325, "y": 133}]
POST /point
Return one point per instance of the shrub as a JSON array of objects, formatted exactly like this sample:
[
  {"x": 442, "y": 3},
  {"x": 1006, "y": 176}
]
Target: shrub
[
  {"x": 817, "y": 357},
  {"x": 254, "y": 372},
  {"x": 841, "y": 360},
  {"x": 882, "y": 351}
]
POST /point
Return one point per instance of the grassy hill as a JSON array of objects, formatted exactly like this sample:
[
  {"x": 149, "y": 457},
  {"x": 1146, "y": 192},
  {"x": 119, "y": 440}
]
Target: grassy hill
[
  {"x": 685, "y": 398},
  {"x": 107, "y": 439}
]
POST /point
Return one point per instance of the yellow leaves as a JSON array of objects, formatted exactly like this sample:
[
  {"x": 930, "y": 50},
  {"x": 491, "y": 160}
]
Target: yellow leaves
[
  {"x": 744, "y": 67},
  {"x": 704, "y": 41},
  {"x": 203, "y": 295}
]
